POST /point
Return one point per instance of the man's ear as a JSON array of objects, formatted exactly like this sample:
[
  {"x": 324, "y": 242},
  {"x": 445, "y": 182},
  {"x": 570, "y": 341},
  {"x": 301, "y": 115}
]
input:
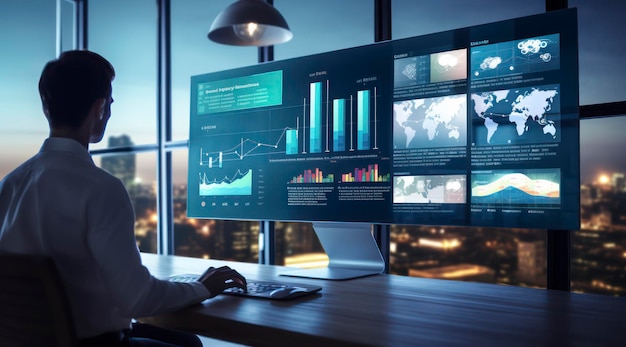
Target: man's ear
[{"x": 98, "y": 108}]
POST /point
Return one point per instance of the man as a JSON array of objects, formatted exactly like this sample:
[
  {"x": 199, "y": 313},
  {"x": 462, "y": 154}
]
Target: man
[{"x": 58, "y": 203}]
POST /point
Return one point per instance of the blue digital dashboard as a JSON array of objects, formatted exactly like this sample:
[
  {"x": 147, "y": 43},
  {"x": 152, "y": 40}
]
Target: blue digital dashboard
[{"x": 475, "y": 126}]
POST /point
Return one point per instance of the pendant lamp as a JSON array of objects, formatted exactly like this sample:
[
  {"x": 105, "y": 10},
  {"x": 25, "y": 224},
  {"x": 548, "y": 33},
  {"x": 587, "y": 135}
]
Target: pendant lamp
[{"x": 250, "y": 23}]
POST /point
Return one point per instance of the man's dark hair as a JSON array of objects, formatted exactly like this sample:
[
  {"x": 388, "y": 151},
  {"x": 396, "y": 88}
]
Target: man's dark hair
[{"x": 71, "y": 84}]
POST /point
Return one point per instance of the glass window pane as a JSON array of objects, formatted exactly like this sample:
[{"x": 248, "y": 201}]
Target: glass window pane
[
  {"x": 490, "y": 255},
  {"x": 68, "y": 20},
  {"x": 27, "y": 34},
  {"x": 193, "y": 54},
  {"x": 137, "y": 171},
  {"x": 297, "y": 245},
  {"x": 325, "y": 25},
  {"x": 413, "y": 18},
  {"x": 601, "y": 48},
  {"x": 598, "y": 263},
  {"x": 128, "y": 41},
  {"x": 208, "y": 238}
]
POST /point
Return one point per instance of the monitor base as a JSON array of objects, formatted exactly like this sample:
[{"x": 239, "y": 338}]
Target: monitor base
[
  {"x": 334, "y": 274},
  {"x": 352, "y": 252}
]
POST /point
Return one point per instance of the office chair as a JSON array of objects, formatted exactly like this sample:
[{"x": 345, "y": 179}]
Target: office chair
[{"x": 34, "y": 308}]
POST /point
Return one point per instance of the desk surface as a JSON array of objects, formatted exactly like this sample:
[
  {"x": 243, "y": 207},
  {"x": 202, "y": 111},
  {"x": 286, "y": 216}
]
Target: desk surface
[{"x": 388, "y": 310}]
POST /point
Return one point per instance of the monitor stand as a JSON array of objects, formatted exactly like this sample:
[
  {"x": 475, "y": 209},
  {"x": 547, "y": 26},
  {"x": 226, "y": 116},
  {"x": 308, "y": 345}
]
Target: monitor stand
[{"x": 352, "y": 252}]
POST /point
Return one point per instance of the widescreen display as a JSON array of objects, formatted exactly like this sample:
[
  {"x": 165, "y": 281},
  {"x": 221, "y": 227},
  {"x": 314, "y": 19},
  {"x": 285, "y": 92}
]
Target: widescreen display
[{"x": 475, "y": 126}]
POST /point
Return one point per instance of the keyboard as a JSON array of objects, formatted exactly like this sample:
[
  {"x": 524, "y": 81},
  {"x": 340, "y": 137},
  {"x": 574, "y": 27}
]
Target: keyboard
[{"x": 273, "y": 290}]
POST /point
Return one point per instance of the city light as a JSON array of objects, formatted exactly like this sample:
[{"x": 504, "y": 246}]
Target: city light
[
  {"x": 205, "y": 230},
  {"x": 604, "y": 179},
  {"x": 461, "y": 272},
  {"x": 307, "y": 260},
  {"x": 442, "y": 244}
]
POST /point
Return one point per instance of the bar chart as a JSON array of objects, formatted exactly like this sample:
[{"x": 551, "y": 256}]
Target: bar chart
[
  {"x": 349, "y": 123},
  {"x": 368, "y": 174},
  {"x": 313, "y": 176}
]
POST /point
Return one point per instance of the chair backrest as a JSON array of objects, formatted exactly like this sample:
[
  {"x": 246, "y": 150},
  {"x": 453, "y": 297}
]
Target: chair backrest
[{"x": 34, "y": 308}]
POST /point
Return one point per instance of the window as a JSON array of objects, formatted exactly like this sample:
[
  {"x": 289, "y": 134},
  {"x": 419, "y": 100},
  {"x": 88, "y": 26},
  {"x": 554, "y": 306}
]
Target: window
[
  {"x": 297, "y": 245},
  {"x": 598, "y": 261},
  {"x": 130, "y": 46},
  {"x": 26, "y": 45},
  {"x": 600, "y": 50},
  {"x": 128, "y": 42},
  {"x": 137, "y": 171},
  {"x": 412, "y": 18},
  {"x": 325, "y": 25},
  {"x": 491, "y": 255},
  {"x": 192, "y": 54}
]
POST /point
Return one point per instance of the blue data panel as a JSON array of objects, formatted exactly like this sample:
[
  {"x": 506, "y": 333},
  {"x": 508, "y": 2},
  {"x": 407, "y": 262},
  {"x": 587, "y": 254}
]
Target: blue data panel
[{"x": 475, "y": 126}]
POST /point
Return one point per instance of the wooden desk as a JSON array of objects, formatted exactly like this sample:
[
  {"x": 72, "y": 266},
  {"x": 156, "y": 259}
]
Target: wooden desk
[{"x": 387, "y": 310}]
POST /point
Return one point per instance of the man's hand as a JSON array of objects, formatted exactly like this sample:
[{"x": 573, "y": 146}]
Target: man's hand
[{"x": 216, "y": 280}]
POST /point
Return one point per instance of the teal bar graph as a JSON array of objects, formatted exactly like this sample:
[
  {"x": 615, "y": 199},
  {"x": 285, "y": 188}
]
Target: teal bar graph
[
  {"x": 291, "y": 141},
  {"x": 315, "y": 122},
  {"x": 363, "y": 119},
  {"x": 339, "y": 125}
]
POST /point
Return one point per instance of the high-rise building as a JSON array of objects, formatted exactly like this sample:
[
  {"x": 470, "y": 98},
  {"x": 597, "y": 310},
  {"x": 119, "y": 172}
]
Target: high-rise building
[
  {"x": 232, "y": 240},
  {"x": 586, "y": 198},
  {"x": 618, "y": 182},
  {"x": 122, "y": 166},
  {"x": 531, "y": 260}
]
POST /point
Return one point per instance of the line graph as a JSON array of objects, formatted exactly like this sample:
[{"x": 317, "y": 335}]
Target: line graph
[{"x": 246, "y": 147}]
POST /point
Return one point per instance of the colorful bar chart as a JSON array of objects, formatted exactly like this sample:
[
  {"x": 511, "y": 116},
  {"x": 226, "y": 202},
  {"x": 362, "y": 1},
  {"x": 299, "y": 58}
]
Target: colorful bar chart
[
  {"x": 313, "y": 176},
  {"x": 369, "y": 174}
]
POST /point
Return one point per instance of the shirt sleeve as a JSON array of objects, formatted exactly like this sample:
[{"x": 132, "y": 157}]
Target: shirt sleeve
[{"x": 111, "y": 240}]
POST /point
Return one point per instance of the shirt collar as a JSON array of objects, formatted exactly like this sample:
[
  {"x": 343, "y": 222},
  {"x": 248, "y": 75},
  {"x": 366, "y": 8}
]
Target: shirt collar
[{"x": 66, "y": 145}]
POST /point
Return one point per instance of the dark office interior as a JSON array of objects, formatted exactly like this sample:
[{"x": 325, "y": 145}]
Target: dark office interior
[{"x": 157, "y": 45}]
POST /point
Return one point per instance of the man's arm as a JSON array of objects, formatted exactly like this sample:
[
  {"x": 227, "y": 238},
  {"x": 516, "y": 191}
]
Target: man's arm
[{"x": 111, "y": 239}]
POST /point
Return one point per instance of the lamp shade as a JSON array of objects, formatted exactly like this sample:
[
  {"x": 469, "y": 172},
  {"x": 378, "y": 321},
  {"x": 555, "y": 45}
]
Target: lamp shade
[{"x": 250, "y": 23}]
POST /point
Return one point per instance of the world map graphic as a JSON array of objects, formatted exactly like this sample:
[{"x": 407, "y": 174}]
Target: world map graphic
[
  {"x": 443, "y": 189},
  {"x": 431, "y": 122},
  {"x": 516, "y": 116}
]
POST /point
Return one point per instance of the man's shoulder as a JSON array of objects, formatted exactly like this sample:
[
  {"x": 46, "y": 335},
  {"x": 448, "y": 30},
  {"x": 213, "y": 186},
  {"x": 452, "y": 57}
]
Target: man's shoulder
[
  {"x": 47, "y": 169},
  {"x": 18, "y": 172}
]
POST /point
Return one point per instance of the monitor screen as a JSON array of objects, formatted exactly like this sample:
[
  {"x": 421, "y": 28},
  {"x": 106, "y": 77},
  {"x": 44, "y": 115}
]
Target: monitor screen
[{"x": 475, "y": 126}]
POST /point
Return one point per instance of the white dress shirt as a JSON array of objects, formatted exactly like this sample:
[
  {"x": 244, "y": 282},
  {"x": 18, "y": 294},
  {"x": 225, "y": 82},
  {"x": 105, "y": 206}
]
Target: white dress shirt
[{"x": 59, "y": 203}]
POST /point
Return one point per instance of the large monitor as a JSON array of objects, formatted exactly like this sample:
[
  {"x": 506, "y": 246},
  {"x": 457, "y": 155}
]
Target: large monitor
[{"x": 470, "y": 127}]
